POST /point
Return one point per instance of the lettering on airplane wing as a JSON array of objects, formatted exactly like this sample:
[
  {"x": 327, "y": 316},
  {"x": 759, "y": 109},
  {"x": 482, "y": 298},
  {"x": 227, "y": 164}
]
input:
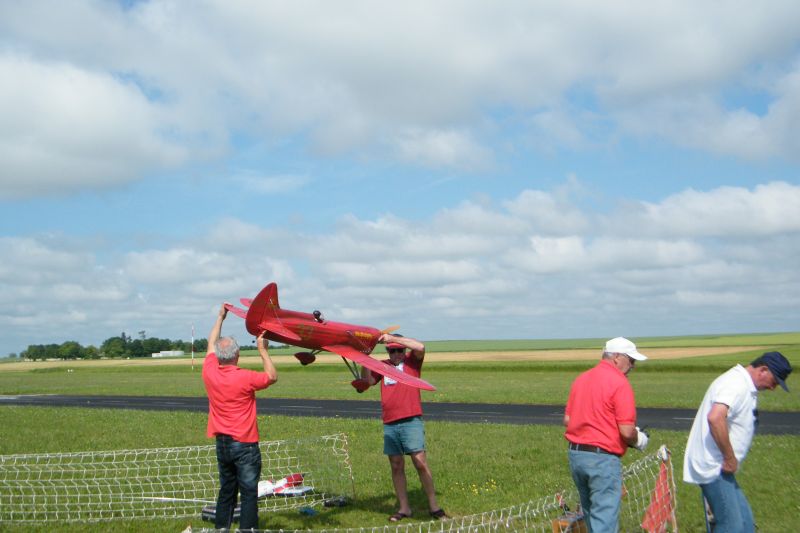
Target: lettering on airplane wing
[
  {"x": 304, "y": 331},
  {"x": 279, "y": 329}
]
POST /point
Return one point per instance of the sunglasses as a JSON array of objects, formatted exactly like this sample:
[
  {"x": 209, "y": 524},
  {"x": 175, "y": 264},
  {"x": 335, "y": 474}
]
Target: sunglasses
[{"x": 395, "y": 350}]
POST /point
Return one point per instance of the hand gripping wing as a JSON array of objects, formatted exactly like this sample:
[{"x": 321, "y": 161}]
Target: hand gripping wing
[{"x": 378, "y": 366}]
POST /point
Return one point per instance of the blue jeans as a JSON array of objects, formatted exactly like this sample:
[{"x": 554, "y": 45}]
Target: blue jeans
[
  {"x": 239, "y": 465},
  {"x": 732, "y": 513},
  {"x": 598, "y": 478}
]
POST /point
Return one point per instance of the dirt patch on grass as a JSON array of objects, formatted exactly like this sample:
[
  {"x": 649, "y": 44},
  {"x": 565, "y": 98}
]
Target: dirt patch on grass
[
  {"x": 557, "y": 355},
  {"x": 445, "y": 357},
  {"x": 32, "y": 365}
]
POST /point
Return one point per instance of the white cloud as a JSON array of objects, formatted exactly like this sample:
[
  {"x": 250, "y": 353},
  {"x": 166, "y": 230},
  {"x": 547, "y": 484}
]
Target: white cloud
[
  {"x": 168, "y": 267},
  {"x": 455, "y": 86},
  {"x": 428, "y": 82},
  {"x": 401, "y": 273},
  {"x": 442, "y": 148},
  {"x": 37, "y": 261},
  {"x": 478, "y": 222},
  {"x": 65, "y": 129},
  {"x": 548, "y": 213},
  {"x": 768, "y": 209},
  {"x": 442, "y": 278},
  {"x": 551, "y": 254}
]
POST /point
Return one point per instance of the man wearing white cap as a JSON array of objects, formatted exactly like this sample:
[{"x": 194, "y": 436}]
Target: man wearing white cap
[{"x": 600, "y": 418}]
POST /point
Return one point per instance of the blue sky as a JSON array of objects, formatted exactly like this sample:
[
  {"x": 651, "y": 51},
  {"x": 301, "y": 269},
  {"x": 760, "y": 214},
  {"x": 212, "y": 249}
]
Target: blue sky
[{"x": 465, "y": 170}]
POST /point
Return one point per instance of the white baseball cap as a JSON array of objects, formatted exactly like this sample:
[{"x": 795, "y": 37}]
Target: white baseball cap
[{"x": 623, "y": 345}]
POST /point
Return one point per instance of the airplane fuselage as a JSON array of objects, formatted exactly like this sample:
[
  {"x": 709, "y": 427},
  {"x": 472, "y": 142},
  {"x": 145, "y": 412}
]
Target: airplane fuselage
[{"x": 314, "y": 334}]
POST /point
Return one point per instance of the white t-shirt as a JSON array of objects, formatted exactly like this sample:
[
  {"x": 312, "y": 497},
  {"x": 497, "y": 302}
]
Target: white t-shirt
[{"x": 702, "y": 462}]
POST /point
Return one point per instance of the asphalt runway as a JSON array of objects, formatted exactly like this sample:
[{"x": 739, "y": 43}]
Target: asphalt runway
[{"x": 774, "y": 423}]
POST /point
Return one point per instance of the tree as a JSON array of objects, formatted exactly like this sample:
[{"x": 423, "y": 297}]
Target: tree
[
  {"x": 114, "y": 347},
  {"x": 52, "y": 351},
  {"x": 34, "y": 352},
  {"x": 136, "y": 348},
  {"x": 70, "y": 350},
  {"x": 151, "y": 346},
  {"x": 91, "y": 352}
]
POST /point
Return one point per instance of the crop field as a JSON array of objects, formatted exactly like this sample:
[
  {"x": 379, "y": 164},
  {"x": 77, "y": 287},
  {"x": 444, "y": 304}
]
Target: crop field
[{"x": 477, "y": 467}]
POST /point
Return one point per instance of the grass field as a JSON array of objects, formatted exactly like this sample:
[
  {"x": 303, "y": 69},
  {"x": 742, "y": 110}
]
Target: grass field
[{"x": 476, "y": 467}]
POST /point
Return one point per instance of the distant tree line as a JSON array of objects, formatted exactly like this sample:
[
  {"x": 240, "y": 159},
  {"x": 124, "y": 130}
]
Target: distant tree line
[{"x": 122, "y": 346}]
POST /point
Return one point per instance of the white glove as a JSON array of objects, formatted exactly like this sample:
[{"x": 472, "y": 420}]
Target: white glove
[{"x": 641, "y": 439}]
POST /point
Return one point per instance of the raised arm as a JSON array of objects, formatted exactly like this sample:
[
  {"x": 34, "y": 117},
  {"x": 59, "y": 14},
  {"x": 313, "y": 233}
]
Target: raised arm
[
  {"x": 416, "y": 347},
  {"x": 269, "y": 367},
  {"x": 213, "y": 337}
]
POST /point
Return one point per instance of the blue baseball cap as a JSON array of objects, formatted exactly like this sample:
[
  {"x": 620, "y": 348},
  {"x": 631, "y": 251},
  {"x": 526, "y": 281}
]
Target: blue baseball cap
[{"x": 779, "y": 366}]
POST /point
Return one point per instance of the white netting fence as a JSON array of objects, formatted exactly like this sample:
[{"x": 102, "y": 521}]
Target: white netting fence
[
  {"x": 648, "y": 504},
  {"x": 164, "y": 482}
]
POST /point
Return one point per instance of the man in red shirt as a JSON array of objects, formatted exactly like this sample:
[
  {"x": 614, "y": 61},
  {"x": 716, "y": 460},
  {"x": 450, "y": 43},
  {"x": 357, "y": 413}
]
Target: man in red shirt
[
  {"x": 232, "y": 420},
  {"x": 600, "y": 418},
  {"x": 403, "y": 429}
]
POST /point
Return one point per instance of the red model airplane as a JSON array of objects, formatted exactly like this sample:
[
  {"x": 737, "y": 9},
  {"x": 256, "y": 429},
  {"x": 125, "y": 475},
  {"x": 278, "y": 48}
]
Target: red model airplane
[{"x": 312, "y": 331}]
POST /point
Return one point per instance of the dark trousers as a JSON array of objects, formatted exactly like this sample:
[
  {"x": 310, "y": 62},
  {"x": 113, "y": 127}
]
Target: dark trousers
[{"x": 239, "y": 465}]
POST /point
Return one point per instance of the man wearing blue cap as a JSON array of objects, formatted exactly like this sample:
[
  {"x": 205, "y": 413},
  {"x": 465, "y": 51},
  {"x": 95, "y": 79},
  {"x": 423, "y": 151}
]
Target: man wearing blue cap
[{"x": 721, "y": 436}]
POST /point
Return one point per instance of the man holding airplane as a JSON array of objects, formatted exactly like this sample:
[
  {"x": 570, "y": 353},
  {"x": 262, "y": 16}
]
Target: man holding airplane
[
  {"x": 403, "y": 429},
  {"x": 232, "y": 420}
]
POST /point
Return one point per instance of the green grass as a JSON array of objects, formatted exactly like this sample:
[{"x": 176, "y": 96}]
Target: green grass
[
  {"x": 476, "y": 467},
  {"x": 657, "y": 383}
]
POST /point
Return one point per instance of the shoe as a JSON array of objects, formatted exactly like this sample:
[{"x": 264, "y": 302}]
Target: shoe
[
  {"x": 438, "y": 515},
  {"x": 396, "y": 517}
]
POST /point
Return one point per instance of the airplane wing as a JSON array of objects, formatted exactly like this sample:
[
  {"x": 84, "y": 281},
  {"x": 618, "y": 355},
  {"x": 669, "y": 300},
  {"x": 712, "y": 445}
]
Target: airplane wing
[
  {"x": 241, "y": 313},
  {"x": 279, "y": 329},
  {"x": 378, "y": 366}
]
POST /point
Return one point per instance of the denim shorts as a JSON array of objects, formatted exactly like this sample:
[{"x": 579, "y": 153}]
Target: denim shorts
[{"x": 404, "y": 437}]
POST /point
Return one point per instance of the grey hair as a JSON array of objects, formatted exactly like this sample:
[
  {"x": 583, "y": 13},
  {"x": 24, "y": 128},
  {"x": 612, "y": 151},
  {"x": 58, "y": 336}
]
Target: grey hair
[{"x": 227, "y": 349}]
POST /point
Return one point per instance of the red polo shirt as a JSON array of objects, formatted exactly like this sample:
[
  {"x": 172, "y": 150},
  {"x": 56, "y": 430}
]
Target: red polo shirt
[
  {"x": 232, "y": 399},
  {"x": 400, "y": 401},
  {"x": 600, "y": 399}
]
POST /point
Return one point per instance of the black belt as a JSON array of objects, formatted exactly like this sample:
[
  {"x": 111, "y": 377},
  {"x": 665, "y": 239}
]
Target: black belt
[{"x": 587, "y": 448}]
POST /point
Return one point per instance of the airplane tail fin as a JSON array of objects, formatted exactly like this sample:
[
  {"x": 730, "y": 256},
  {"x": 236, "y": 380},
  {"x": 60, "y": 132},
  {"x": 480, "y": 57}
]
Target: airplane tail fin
[{"x": 263, "y": 314}]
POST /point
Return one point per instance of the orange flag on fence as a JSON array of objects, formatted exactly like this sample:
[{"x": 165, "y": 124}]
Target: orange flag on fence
[{"x": 660, "y": 511}]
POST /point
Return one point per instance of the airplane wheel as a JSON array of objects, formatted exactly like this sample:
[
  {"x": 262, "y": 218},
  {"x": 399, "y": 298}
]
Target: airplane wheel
[{"x": 305, "y": 358}]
